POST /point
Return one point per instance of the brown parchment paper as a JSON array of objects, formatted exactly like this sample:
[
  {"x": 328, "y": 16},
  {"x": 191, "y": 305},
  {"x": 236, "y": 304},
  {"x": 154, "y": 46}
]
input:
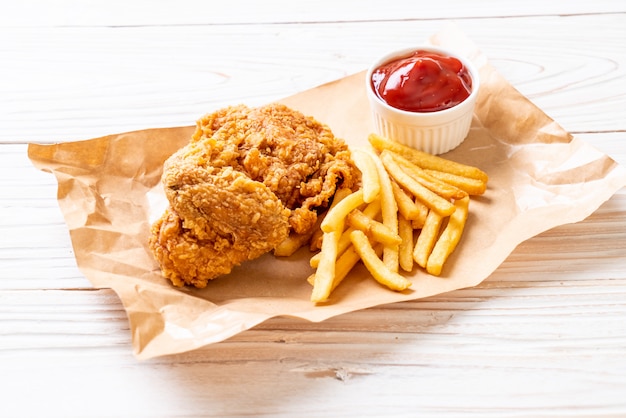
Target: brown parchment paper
[{"x": 109, "y": 192}]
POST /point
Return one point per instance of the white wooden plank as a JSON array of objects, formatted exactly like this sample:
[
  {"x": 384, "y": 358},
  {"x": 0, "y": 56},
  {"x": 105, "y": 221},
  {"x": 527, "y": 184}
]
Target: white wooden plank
[
  {"x": 121, "y": 79},
  {"x": 503, "y": 343},
  {"x": 197, "y": 12}
]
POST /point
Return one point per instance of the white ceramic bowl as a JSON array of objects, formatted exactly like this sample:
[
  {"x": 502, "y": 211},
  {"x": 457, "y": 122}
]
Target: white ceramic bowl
[{"x": 434, "y": 132}]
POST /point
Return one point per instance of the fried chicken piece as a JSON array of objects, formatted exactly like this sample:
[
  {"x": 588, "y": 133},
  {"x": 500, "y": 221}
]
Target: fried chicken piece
[
  {"x": 247, "y": 179},
  {"x": 228, "y": 219}
]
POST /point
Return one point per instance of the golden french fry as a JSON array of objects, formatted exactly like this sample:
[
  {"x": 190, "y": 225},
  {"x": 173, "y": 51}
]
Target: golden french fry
[
  {"x": 375, "y": 265},
  {"x": 418, "y": 223},
  {"x": 389, "y": 211},
  {"x": 335, "y": 217},
  {"x": 372, "y": 209},
  {"x": 378, "y": 231},
  {"x": 406, "y": 205},
  {"x": 405, "y": 229},
  {"x": 427, "y": 238},
  {"x": 314, "y": 261},
  {"x": 292, "y": 244},
  {"x": 442, "y": 188},
  {"x": 315, "y": 243},
  {"x": 425, "y": 195},
  {"x": 449, "y": 238},
  {"x": 344, "y": 264},
  {"x": 340, "y": 194},
  {"x": 325, "y": 273},
  {"x": 471, "y": 186},
  {"x": 369, "y": 175},
  {"x": 425, "y": 160}
]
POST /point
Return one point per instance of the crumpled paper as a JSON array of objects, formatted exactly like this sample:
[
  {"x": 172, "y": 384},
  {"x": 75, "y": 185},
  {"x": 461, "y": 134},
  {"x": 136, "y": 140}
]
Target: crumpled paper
[{"x": 109, "y": 192}]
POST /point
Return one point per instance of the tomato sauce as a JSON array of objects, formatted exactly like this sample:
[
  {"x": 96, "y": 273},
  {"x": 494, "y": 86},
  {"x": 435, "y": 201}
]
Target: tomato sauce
[{"x": 422, "y": 82}]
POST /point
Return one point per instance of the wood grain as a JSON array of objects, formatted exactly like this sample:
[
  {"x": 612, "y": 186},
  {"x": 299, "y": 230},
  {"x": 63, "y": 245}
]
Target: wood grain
[
  {"x": 545, "y": 335},
  {"x": 115, "y": 79}
]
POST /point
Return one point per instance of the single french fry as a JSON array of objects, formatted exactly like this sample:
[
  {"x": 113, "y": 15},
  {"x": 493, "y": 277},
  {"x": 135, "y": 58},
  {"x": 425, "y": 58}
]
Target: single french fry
[
  {"x": 315, "y": 244},
  {"x": 442, "y": 188},
  {"x": 292, "y": 244},
  {"x": 314, "y": 261},
  {"x": 372, "y": 209},
  {"x": 335, "y": 217},
  {"x": 325, "y": 273},
  {"x": 375, "y": 265},
  {"x": 449, "y": 238},
  {"x": 378, "y": 231},
  {"x": 345, "y": 263},
  {"x": 340, "y": 194},
  {"x": 425, "y": 195},
  {"x": 425, "y": 160},
  {"x": 471, "y": 186},
  {"x": 369, "y": 175},
  {"x": 418, "y": 223},
  {"x": 406, "y": 205},
  {"x": 389, "y": 211},
  {"x": 427, "y": 238},
  {"x": 405, "y": 230}
]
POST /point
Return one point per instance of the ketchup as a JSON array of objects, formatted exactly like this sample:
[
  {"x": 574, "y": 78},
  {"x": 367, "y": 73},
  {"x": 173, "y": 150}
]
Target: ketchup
[{"x": 422, "y": 82}]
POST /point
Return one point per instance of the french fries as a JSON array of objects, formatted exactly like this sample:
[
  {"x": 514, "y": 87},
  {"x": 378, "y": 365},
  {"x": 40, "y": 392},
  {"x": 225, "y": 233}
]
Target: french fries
[
  {"x": 427, "y": 238},
  {"x": 325, "y": 274},
  {"x": 370, "y": 183},
  {"x": 449, "y": 238},
  {"x": 410, "y": 211},
  {"x": 315, "y": 242},
  {"x": 470, "y": 186},
  {"x": 379, "y": 232},
  {"x": 405, "y": 230},
  {"x": 427, "y": 161},
  {"x": 422, "y": 193},
  {"x": 371, "y": 211},
  {"x": 441, "y": 188},
  {"x": 407, "y": 207},
  {"x": 375, "y": 265},
  {"x": 335, "y": 218},
  {"x": 389, "y": 213}
]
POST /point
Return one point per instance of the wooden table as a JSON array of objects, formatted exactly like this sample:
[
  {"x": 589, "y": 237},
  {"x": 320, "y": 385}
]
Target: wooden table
[{"x": 545, "y": 335}]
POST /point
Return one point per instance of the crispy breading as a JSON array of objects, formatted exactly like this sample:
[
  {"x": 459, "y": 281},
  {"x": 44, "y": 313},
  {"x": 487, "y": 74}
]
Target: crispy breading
[
  {"x": 227, "y": 220},
  {"x": 248, "y": 177}
]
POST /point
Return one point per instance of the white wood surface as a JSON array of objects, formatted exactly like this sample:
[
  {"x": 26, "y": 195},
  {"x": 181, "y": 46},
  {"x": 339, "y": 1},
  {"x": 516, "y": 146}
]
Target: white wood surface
[{"x": 544, "y": 336}]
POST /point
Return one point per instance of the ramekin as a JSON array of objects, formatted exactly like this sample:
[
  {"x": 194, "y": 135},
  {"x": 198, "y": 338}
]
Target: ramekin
[{"x": 433, "y": 132}]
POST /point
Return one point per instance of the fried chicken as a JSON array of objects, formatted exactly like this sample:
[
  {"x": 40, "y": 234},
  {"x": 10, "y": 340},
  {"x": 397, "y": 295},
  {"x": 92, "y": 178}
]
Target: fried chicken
[{"x": 247, "y": 179}]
